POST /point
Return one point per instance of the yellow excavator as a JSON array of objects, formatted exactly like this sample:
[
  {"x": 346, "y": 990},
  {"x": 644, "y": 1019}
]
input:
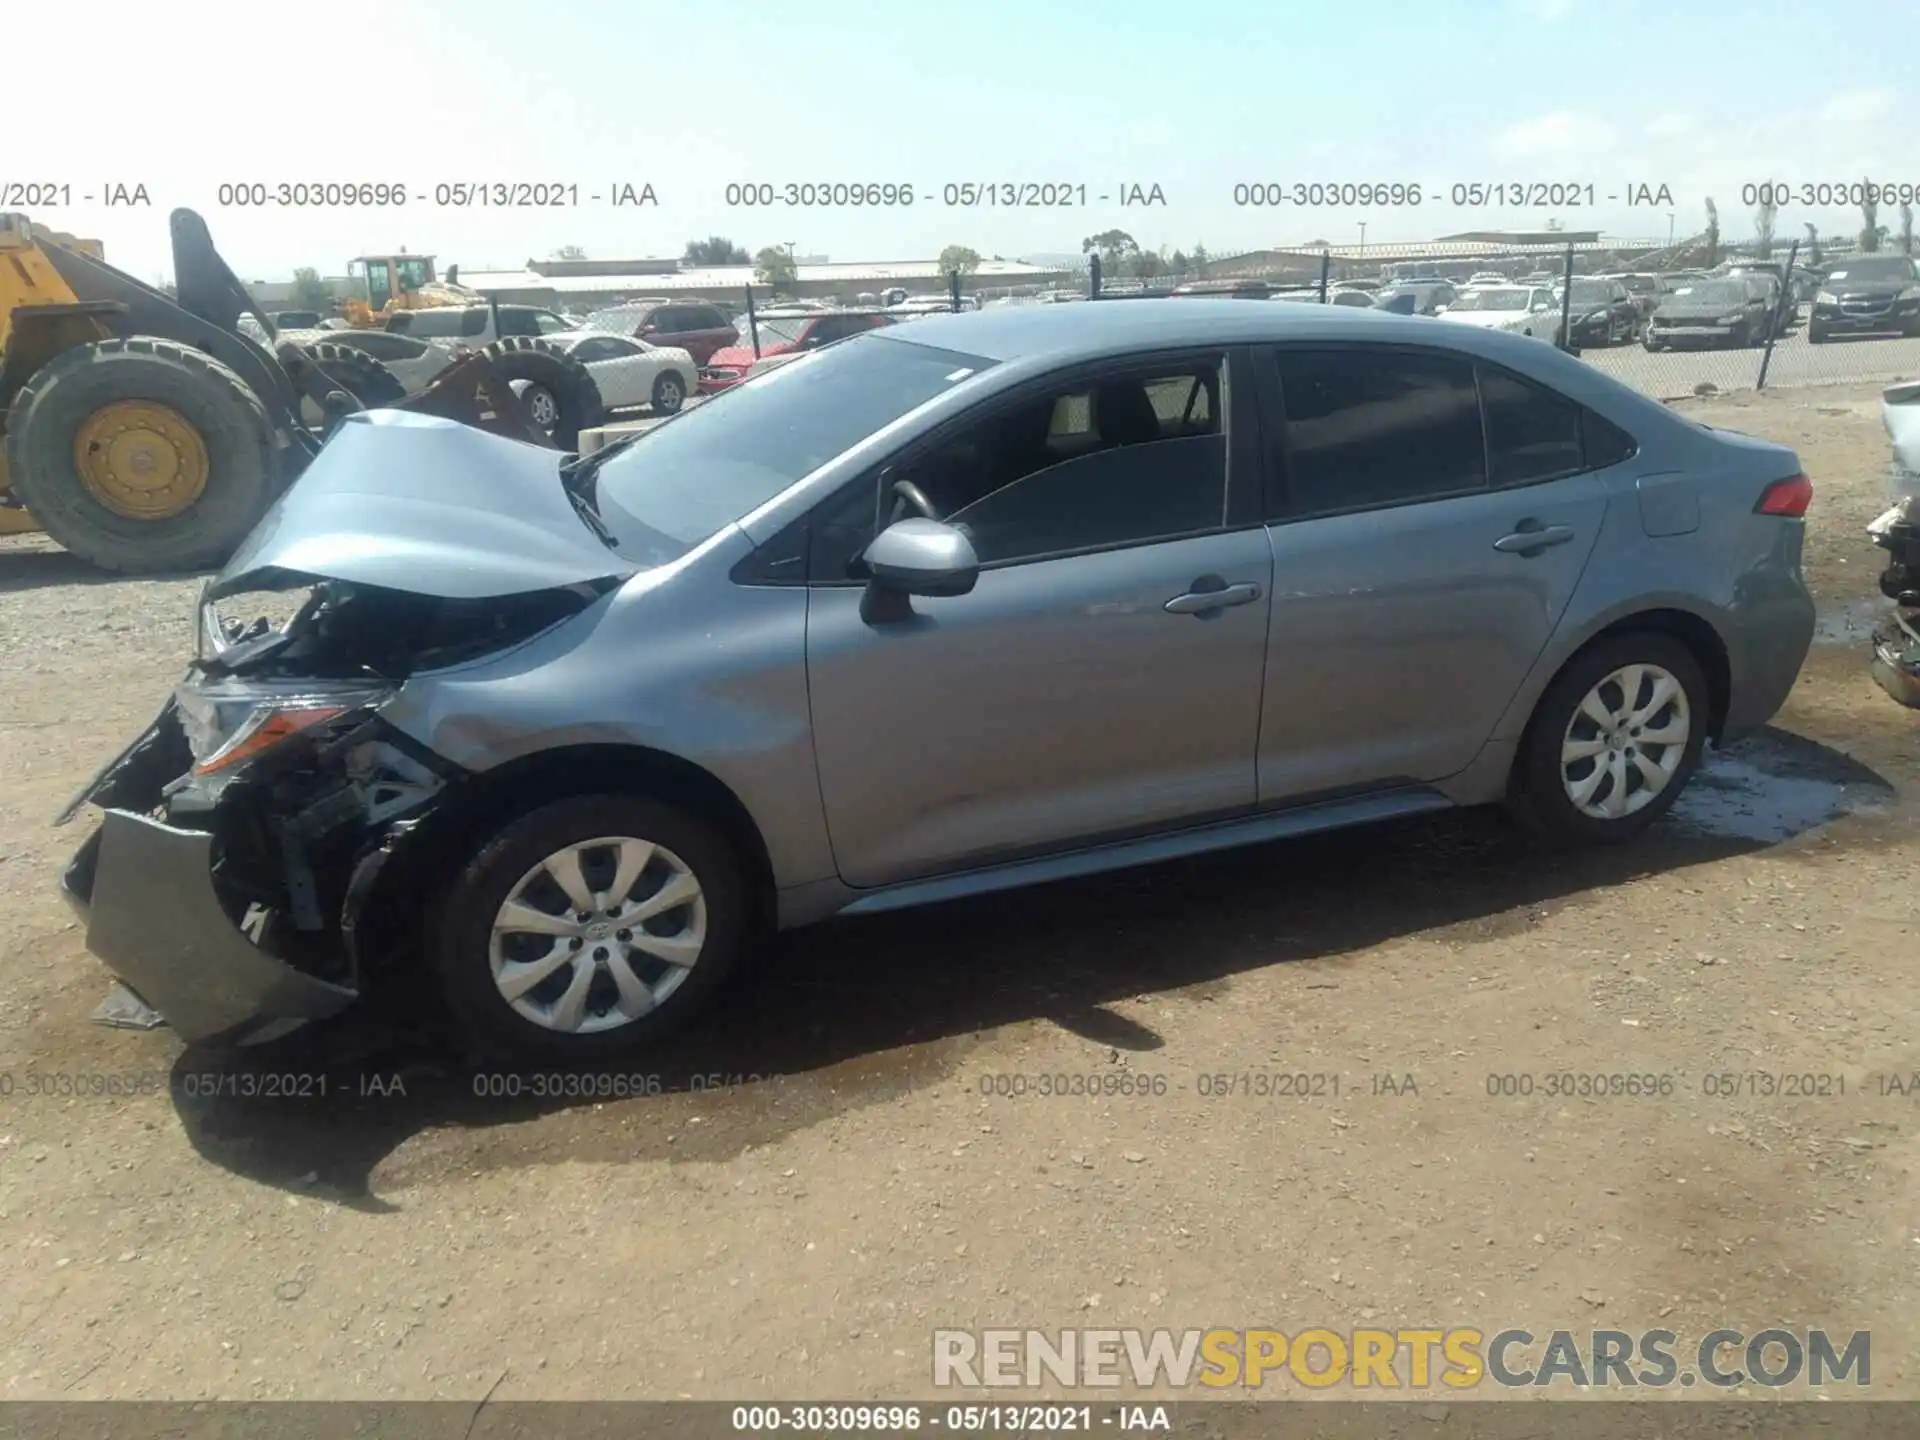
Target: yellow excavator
[
  {"x": 145, "y": 432},
  {"x": 400, "y": 282}
]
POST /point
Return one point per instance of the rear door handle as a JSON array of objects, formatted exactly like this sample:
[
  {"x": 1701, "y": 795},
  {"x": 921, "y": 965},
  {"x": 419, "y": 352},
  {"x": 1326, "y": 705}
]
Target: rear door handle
[
  {"x": 1198, "y": 602},
  {"x": 1530, "y": 538}
]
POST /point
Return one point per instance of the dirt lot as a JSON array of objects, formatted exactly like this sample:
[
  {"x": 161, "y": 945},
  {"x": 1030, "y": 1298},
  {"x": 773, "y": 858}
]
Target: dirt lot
[{"x": 801, "y": 1236}]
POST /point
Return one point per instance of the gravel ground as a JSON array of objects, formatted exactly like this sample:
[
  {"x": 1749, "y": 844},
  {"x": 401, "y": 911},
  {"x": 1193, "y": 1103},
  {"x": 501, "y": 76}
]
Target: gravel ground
[{"x": 801, "y": 1235}]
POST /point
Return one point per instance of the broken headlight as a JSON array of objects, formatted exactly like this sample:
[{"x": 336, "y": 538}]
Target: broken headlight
[{"x": 230, "y": 724}]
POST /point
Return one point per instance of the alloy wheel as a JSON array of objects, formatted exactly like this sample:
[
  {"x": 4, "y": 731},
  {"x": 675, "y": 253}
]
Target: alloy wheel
[
  {"x": 1625, "y": 741},
  {"x": 598, "y": 934}
]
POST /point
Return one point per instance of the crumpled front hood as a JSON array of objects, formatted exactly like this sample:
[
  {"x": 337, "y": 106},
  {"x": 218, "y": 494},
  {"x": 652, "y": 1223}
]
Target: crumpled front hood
[{"x": 426, "y": 505}]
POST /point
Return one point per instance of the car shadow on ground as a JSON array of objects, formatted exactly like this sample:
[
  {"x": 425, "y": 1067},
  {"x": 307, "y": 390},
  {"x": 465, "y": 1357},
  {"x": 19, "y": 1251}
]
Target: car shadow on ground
[{"x": 852, "y": 1012}]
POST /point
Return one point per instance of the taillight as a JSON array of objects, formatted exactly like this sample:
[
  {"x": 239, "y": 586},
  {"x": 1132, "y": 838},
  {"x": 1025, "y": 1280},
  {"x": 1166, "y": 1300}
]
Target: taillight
[{"x": 1786, "y": 497}]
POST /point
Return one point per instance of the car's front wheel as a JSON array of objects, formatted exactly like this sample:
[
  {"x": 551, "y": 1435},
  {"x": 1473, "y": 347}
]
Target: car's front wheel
[
  {"x": 1613, "y": 741},
  {"x": 590, "y": 927}
]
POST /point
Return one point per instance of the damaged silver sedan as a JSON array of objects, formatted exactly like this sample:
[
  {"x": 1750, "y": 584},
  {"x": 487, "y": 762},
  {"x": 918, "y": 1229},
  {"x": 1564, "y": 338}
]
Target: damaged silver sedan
[{"x": 942, "y": 609}]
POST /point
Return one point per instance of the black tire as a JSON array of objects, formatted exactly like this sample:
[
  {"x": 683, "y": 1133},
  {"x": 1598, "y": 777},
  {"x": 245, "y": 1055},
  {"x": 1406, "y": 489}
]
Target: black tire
[
  {"x": 1537, "y": 796},
  {"x": 576, "y": 396},
  {"x": 1815, "y": 334},
  {"x": 242, "y": 479},
  {"x": 461, "y": 948},
  {"x": 669, "y": 393},
  {"x": 356, "y": 372}
]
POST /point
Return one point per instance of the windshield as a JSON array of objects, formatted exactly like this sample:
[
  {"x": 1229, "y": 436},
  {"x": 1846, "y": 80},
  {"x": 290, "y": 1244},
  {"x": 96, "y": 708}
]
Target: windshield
[
  {"x": 1713, "y": 292},
  {"x": 777, "y": 330},
  {"x": 1875, "y": 269},
  {"x": 1592, "y": 292},
  {"x": 712, "y": 464},
  {"x": 1639, "y": 284},
  {"x": 1502, "y": 298}
]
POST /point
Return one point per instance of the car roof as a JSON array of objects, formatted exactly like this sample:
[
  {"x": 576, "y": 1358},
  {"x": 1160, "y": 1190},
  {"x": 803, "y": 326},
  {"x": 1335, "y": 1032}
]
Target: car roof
[{"x": 1065, "y": 334}]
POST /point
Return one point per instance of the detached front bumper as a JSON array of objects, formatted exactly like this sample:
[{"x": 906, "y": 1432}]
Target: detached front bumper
[
  {"x": 146, "y": 893},
  {"x": 1896, "y": 657}
]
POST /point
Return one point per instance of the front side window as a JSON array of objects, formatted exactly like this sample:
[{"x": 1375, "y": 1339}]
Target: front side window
[
  {"x": 515, "y": 321},
  {"x": 1125, "y": 460},
  {"x": 549, "y": 323},
  {"x": 712, "y": 464},
  {"x": 599, "y": 348},
  {"x": 1378, "y": 427}
]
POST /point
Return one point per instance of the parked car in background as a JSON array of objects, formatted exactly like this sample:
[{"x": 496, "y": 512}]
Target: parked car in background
[
  {"x": 976, "y": 603},
  {"x": 1601, "y": 313},
  {"x": 1428, "y": 295},
  {"x": 1866, "y": 295},
  {"x": 630, "y": 373},
  {"x": 1398, "y": 302},
  {"x": 1344, "y": 295},
  {"x": 413, "y": 361},
  {"x": 780, "y": 331},
  {"x": 1781, "y": 310},
  {"x": 1643, "y": 287},
  {"x": 1518, "y": 309},
  {"x": 297, "y": 319},
  {"x": 1711, "y": 312},
  {"x": 1488, "y": 277},
  {"x": 477, "y": 326},
  {"x": 697, "y": 327}
]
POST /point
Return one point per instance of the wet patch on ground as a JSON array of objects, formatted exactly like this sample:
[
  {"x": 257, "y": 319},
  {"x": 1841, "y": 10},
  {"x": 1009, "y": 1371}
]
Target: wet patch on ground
[{"x": 1773, "y": 788}]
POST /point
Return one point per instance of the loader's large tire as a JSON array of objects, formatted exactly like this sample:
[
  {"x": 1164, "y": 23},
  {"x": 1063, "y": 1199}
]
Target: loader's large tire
[
  {"x": 571, "y": 384},
  {"x": 142, "y": 455},
  {"x": 356, "y": 372}
]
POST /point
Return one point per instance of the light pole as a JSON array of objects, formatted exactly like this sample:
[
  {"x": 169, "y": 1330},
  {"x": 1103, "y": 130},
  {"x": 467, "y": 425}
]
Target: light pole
[
  {"x": 1363, "y": 236},
  {"x": 1670, "y": 230}
]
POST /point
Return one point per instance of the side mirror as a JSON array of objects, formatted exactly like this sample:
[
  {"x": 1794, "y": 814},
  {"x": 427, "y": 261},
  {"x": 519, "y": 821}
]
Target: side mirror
[{"x": 917, "y": 556}]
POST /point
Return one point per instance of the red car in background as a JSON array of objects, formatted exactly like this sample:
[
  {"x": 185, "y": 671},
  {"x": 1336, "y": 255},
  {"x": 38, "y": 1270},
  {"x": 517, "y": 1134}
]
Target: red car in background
[{"x": 783, "y": 332}]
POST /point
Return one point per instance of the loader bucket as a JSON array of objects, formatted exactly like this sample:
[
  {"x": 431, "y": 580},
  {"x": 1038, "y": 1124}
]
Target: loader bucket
[{"x": 474, "y": 393}]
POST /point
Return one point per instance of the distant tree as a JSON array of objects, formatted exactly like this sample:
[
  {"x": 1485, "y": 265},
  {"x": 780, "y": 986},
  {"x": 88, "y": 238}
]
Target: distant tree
[
  {"x": 1179, "y": 262},
  {"x": 1713, "y": 232},
  {"x": 773, "y": 267},
  {"x": 310, "y": 292},
  {"x": 1147, "y": 264},
  {"x": 1906, "y": 228},
  {"x": 1813, "y": 246},
  {"x": 1763, "y": 223},
  {"x": 1871, "y": 231},
  {"x": 959, "y": 257},
  {"x": 1201, "y": 259},
  {"x": 716, "y": 250},
  {"x": 1112, "y": 246},
  {"x": 570, "y": 252}
]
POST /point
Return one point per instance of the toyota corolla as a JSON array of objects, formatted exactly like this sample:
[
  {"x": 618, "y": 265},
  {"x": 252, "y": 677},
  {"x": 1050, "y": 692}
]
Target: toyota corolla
[{"x": 982, "y": 601}]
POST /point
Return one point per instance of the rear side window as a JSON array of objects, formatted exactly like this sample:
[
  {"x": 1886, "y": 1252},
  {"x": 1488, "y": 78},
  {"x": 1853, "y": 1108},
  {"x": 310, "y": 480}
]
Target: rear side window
[
  {"x": 1603, "y": 443},
  {"x": 705, "y": 317},
  {"x": 1367, "y": 428},
  {"x": 1532, "y": 433}
]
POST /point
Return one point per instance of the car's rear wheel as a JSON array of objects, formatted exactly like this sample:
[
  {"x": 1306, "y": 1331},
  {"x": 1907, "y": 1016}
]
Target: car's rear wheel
[
  {"x": 1613, "y": 741},
  {"x": 669, "y": 393},
  {"x": 589, "y": 928}
]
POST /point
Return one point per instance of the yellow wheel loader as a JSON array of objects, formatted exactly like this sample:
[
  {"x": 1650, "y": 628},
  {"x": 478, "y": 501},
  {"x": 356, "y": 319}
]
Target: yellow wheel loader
[
  {"x": 400, "y": 282},
  {"x": 144, "y": 431}
]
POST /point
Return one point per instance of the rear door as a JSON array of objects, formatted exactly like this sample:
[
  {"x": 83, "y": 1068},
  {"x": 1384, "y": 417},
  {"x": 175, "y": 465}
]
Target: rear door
[{"x": 1422, "y": 556}]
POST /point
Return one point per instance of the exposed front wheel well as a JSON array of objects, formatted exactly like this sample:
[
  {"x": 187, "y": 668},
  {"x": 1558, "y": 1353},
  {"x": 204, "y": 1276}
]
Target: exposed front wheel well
[{"x": 426, "y": 862}]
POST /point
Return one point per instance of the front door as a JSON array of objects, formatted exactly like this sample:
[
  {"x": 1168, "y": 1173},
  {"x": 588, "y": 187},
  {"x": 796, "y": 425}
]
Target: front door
[
  {"x": 1421, "y": 561},
  {"x": 1102, "y": 678}
]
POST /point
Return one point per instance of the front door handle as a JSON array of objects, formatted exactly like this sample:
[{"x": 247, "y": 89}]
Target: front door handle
[
  {"x": 1530, "y": 537},
  {"x": 1200, "y": 602}
]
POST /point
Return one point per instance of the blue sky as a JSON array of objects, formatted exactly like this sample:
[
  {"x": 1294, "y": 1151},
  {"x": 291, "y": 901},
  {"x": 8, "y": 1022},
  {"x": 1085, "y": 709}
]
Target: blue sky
[{"x": 1702, "y": 98}]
